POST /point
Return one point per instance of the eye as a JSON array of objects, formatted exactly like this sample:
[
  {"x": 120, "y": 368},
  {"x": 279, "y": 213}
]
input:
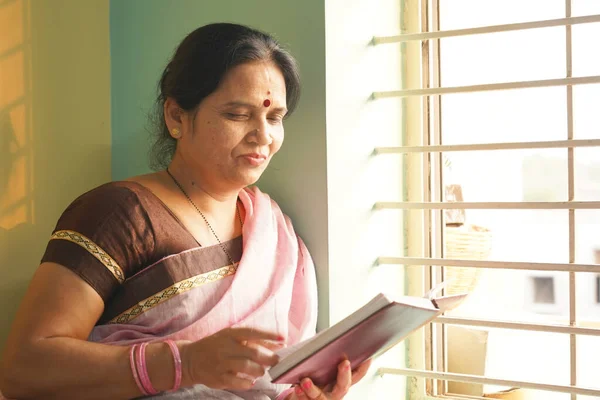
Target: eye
[
  {"x": 236, "y": 116},
  {"x": 276, "y": 119}
]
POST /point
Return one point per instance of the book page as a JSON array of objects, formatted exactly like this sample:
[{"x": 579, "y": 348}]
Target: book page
[
  {"x": 376, "y": 326},
  {"x": 445, "y": 303},
  {"x": 449, "y": 303},
  {"x": 433, "y": 292}
]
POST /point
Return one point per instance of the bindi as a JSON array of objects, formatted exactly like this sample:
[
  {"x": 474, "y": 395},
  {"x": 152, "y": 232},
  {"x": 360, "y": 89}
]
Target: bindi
[{"x": 267, "y": 102}]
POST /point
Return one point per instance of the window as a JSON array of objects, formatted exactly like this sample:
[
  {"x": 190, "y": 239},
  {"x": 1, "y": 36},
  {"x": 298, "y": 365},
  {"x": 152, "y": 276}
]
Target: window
[
  {"x": 543, "y": 290},
  {"x": 500, "y": 156}
]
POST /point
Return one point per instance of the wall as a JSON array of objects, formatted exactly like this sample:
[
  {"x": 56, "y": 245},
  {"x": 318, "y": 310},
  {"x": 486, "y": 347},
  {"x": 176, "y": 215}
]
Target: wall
[
  {"x": 356, "y": 179},
  {"x": 324, "y": 177},
  {"x": 54, "y": 126},
  {"x": 149, "y": 30},
  {"x": 48, "y": 69}
]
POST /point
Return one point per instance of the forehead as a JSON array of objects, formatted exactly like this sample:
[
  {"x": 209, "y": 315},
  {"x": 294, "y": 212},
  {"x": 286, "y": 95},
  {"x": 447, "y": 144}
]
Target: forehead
[{"x": 253, "y": 80}]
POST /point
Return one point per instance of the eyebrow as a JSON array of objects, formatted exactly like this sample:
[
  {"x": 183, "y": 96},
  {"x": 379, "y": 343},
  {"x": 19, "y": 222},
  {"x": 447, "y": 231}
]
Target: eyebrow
[{"x": 244, "y": 104}]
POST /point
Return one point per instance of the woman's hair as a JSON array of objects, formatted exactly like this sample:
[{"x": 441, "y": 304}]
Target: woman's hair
[{"x": 198, "y": 66}]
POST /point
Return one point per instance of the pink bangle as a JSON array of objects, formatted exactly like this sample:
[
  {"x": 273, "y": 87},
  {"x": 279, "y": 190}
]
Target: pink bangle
[
  {"x": 177, "y": 361},
  {"x": 143, "y": 371},
  {"x": 134, "y": 369}
]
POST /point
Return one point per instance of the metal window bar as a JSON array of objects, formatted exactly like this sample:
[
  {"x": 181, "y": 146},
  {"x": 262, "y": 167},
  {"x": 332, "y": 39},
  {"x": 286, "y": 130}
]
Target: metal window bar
[
  {"x": 553, "y": 144},
  {"x": 436, "y": 188},
  {"x": 532, "y": 266},
  {"x": 500, "y": 205},
  {"x": 571, "y": 197},
  {"x": 431, "y": 186},
  {"x": 430, "y": 359},
  {"x": 552, "y": 328},
  {"x": 378, "y": 40},
  {"x": 489, "y": 87},
  {"x": 485, "y": 380}
]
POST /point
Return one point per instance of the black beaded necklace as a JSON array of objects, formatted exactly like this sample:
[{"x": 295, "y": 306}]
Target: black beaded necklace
[{"x": 237, "y": 209}]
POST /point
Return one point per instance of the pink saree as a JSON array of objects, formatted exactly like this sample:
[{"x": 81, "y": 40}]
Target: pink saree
[{"x": 272, "y": 288}]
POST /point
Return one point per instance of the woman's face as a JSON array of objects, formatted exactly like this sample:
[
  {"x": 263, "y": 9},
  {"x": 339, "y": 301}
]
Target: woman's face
[{"x": 236, "y": 130}]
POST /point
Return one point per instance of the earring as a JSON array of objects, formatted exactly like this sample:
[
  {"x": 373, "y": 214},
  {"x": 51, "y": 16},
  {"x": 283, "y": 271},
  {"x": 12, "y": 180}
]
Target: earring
[{"x": 176, "y": 133}]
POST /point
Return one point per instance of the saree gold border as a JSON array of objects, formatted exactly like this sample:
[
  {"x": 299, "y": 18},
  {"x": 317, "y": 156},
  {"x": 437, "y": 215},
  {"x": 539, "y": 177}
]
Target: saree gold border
[
  {"x": 93, "y": 249},
  {"x": 172, "y": 291}
]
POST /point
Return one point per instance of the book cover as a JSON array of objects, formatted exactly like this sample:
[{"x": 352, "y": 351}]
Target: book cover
[{"x": 367, "y": 333}]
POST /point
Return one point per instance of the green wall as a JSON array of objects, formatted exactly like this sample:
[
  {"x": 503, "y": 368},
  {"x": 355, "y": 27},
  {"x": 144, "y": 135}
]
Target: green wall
[
  {"x": 62, "y": 93},
  {"x": 54, "y": 126},
  {"x": 144, "y": 33}
]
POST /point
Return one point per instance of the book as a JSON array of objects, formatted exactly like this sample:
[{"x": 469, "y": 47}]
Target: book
[{"x": 365, "y": 334}]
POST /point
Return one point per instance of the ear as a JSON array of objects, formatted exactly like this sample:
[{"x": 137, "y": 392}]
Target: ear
[{"x": 173, "y": 115}]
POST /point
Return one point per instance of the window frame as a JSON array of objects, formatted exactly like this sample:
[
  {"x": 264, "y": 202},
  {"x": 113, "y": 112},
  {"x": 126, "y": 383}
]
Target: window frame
[{"x": 422, "y": 135}]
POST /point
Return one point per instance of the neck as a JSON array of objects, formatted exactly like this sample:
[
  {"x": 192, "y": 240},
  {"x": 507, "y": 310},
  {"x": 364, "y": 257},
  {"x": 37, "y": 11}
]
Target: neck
[{"x": 209, "y": 200}]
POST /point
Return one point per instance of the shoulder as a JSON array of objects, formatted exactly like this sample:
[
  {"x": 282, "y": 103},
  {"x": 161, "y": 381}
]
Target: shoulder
[
  {"x": 109, "y": 193},
  {"x": 104, "y": 236},
  {"x": 105, "y": 200},
  {"x": 113, "y": 213}
]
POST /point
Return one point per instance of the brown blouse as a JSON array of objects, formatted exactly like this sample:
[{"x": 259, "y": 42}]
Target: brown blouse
[{"x": 117, "y": 230}]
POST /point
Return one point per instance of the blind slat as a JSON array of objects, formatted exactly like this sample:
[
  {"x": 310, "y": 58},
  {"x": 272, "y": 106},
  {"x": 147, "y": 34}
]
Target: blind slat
[
  {"x": 583, "y": 80},
  {"x": 464, "y": 205},
  {"x": 447, "y": 262},
  {"x": 554, "y": 144},
  {"x": 484, "y": 323},
  {"x": 488, "y": 381},
  {"x": 377, "y": 40}
]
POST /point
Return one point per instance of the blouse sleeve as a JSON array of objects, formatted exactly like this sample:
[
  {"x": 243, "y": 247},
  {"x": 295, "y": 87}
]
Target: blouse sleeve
[{"x": 104, "y": 237}]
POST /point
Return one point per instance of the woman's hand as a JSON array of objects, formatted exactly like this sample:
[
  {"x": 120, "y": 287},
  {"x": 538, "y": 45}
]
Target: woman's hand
[
  {"x": 230, "y": 359},
  {"x": 345, "y": 379}
]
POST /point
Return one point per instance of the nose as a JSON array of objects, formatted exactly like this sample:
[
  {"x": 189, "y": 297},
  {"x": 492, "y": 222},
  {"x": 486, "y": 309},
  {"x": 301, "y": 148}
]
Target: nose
[{"x": 261, "y": 135}]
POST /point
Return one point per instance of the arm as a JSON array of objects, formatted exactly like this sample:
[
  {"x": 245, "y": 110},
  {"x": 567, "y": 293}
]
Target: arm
[{"x": 47, "y": 355}]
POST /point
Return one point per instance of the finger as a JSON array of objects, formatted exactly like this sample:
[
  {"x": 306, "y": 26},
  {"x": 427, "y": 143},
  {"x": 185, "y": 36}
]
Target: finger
[
  {"x": 291, "y": 396},
  {"x": 312, "y": 391},
  {"x": 246, "y": 367},
  {"x": 327, "y": 388},
  {"x": 241, "y": 334},
  {"x": 258, "y": 354},
  {"x": 269, "y": 344},
  {"x": 361, "y": 371},
  {"x": 298, "y": 394},
  {"x": 344, "y": 380},
  {"x": 232, "y": 381}
]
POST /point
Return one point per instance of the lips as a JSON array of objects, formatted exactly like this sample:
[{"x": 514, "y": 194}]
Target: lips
[
  {"x": 254, "y": 159},
  {"x": 255, "y": 155}
]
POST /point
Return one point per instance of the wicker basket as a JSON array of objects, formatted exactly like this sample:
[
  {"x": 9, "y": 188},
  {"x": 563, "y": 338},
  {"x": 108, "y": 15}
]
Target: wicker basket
[{"x": 467, "y": 242}]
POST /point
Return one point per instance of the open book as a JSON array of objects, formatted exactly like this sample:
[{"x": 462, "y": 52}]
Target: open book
[{"x": 367, "y": 333}]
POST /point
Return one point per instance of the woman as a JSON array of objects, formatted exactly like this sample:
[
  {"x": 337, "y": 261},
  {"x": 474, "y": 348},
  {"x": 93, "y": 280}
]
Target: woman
[{"x": 180, "y": 283}]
